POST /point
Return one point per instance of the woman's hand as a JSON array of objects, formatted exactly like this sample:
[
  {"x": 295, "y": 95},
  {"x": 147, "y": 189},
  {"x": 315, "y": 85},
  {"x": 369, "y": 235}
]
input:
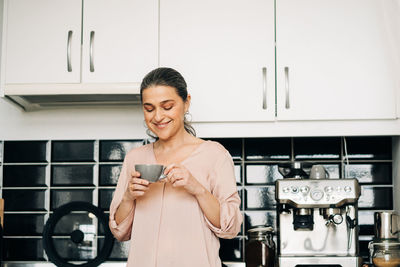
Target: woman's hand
[
  {"x": 179, "y": 176},
  {"x": 137, "y": 187}
]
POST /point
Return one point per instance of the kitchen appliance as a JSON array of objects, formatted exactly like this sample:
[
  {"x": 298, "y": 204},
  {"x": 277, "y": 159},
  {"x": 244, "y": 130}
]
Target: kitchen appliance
[
  {"x": 260, "y": 247},
  {"x": 385, "y": 248},
  {"x": 317, "y": 220}
]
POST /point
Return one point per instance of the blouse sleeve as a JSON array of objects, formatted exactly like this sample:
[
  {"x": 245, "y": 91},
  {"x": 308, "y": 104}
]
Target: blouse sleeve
[
  {"x": 121, "y": 231},
  {"x": 223, "y": 187}
]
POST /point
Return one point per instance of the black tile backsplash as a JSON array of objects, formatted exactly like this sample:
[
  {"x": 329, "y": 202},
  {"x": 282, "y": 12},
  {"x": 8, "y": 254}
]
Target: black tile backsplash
[
  {"x": 260, "y": 198},
  {"x": 369, "y": 147},
  {"x": 39, "y": 176},
  {"x": 312, "y": 148},
  {"x": 24, "y": 175},
  {"x": 108, "y": 174},
  {"x": 24, "y": 151},
  {"x": 371, "y": 173},
  {"x": 23, "y": 224},
  {"x": 27, "y": 249},
  {"x": 376, "y": 198},
  {"x": 73, "y": 175},
  {"x": 59, "y": 197},
  {"x": 24, "y": 200},
  {"x": 119, "y": 251},
  {"x": 267, "y": 148},
  {"x": 72, "y": 151},
  {"x": 114, "y": 150},
  {"x": 262, "y": 174},
  {"x": 105, "y": 197}
]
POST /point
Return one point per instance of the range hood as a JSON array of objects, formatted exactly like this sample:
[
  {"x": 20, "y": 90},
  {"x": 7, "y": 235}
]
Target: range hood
[{"x": 44, "y": 96}]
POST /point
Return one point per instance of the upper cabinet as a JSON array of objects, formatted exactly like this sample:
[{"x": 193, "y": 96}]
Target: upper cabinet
[
  {"x": 120, "y": 40},
  {"x": 334, "y": 59},
  {"x": 49, "y": 43},
  {"x": 42, "y": 41},
  {"x": 225, "y": 51}
]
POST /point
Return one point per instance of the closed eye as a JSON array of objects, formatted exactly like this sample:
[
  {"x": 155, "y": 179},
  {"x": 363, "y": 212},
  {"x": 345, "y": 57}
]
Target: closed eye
[{"x": 168, "y": 108}]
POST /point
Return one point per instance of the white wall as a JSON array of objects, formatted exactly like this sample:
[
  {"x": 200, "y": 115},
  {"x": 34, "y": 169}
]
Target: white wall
[{"x": 71, "y": 123}]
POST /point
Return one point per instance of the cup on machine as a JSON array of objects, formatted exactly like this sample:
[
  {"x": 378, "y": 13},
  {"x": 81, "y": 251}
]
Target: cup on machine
[{"x": 318, "y": 172}]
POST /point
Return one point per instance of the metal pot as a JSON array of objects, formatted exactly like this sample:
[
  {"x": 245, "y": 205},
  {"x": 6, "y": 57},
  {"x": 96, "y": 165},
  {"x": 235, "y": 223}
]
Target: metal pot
[{"x": 387, "y": 225}]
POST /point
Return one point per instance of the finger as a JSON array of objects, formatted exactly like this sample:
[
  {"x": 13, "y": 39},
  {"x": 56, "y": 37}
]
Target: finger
[
  {"x": 138, "y": 187},
  {"x": 135, "y": 174},
  {"x": 178, "y": 183},
  {"x": 136, "y": 194},
  {"x": 139, "y": 181},
  {"x": 169, "y": 168}
]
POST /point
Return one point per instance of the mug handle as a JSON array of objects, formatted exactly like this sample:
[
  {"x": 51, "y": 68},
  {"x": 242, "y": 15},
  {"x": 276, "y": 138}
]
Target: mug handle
[
  {"x": 162, "y": 176},
  {"x": 327, "y": 173}
]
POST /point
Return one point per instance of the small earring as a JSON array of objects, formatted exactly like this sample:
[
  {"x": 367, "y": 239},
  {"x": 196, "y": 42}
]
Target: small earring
[{"x": 188, "y": 116}]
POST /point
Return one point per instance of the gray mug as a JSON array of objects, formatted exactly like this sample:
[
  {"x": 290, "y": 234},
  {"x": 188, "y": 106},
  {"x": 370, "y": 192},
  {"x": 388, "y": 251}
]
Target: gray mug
[{"x": 150, "y": 172}]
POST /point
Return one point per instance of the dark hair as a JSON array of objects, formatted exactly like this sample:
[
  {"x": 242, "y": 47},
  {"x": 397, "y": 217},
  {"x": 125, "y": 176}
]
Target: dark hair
[{"x": 168, "y": 77}]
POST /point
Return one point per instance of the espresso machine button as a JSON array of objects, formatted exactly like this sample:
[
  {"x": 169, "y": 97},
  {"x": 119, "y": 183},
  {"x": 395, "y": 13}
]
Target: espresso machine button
[
  {"x": 328, "y": 189},
  {"x": 286, "y": 189},
  {"x": 304, "y": 189},
  {"x": 317, "y": 194},
  {"x": 347, "y": 189},
  {"x": 295, "y": 189}
]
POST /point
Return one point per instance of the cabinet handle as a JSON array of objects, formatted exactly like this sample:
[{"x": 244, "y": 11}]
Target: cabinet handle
[
  {"x": 264, "y": 74},
  {"x": 287, "y": 101},
  {"x": 91, "y": 51},
  {"x": 69, "y": 67}
]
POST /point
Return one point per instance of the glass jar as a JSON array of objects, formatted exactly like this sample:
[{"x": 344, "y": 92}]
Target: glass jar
[
  {"x": 385, "y": 253},
  {"x": 260, "y": 247}
]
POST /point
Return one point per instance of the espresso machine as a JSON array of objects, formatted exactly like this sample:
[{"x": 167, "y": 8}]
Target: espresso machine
[{"x": 317, "y": 222}]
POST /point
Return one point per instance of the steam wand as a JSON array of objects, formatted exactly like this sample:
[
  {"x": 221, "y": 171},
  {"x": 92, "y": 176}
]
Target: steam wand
[{"x": 351, "y": 224}]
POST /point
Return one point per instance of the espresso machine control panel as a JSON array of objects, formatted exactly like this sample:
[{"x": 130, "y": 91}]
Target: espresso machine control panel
[{"x": 313, "y": 193}]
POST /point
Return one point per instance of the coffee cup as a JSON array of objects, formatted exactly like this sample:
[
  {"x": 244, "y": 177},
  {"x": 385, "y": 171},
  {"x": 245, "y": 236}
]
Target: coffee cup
[
  {"x": 318, "y": 172},
  {"x": 150, "y": 172}
]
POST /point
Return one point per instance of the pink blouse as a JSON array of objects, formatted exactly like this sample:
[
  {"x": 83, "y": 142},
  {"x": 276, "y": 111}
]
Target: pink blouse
[{"x": 166, "y": 226}]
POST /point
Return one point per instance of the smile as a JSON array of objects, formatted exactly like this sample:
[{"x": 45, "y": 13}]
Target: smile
[{"x": 161, "y": 125}]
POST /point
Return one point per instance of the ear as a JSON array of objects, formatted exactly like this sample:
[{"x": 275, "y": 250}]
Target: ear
[{"x": 187, "y": 102}]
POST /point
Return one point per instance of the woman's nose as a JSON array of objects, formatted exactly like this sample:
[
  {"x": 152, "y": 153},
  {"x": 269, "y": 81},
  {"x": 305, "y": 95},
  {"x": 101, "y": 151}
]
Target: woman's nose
[{"x": 159, "y": 115}]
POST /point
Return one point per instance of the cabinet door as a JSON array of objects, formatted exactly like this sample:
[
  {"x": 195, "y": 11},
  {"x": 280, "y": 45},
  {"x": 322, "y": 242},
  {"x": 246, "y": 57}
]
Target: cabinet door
[
  {"x": 120, "y": 40},
  {"x": 41, "y": 38},
  {"x": 340, "y": 59},
  {"x": 225, "y": 51}
]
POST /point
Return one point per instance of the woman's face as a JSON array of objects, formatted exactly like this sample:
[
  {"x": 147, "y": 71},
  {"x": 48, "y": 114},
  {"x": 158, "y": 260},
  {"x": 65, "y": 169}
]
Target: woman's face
[{"x": 164, "y": 110}]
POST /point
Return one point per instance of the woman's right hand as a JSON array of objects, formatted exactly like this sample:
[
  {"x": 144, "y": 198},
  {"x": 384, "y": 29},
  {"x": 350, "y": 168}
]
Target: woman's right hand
[{"x": 137, "y": 187}]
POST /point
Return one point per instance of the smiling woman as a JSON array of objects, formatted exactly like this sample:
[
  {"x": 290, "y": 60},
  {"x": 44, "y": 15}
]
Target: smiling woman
[
  {"x": 176, "y": 221},
  {"x": 167, "y": 78}
]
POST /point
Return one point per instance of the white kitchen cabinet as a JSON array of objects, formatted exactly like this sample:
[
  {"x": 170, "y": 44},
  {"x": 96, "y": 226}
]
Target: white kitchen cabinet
[
  {"x": 123, "y": 38},
  {"x": 335, "y": 59},
  {"x": 75, "y": 41},
  {"x": 39, "y": 35},
  {"x": 225, "y": 51}
]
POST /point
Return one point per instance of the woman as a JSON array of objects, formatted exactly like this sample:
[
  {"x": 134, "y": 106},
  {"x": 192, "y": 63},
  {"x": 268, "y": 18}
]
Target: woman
[{"x": 175, "y": 222}]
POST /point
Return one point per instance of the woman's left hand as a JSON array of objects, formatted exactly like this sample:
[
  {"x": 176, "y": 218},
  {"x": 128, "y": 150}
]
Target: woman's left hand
[{"x": 179, "y": 176}]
